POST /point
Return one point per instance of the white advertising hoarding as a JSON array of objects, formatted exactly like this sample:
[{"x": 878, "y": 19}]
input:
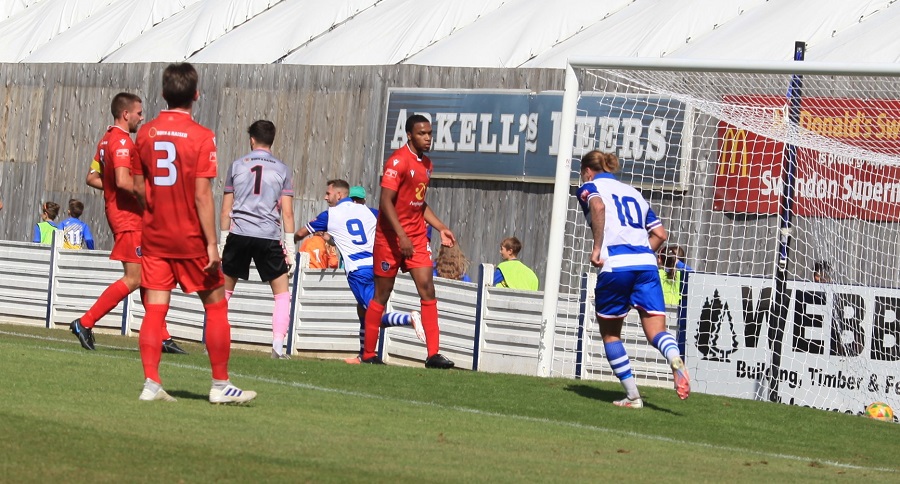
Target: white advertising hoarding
[{"x": 840, "y": 344}]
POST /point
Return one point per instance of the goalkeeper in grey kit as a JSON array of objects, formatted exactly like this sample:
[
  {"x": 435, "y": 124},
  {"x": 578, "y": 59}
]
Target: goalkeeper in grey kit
[{"x": 257, "y": 222}]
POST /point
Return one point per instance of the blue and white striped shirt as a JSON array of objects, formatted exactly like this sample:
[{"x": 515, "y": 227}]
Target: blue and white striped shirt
[
  {"x": 352, "y": 226},
  {"x": 629, "y": 219}
]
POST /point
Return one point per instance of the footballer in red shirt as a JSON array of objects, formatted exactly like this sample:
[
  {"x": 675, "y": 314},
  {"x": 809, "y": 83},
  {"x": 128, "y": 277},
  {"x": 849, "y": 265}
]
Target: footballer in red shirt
[
  {"x": 174, "y": 182},
  {"x": 116, "y": 150},
  {"x": 406, "y": 174},
  {"x": 175, "y": 151},
  {"x": 111, "y": 172},
  {"x": 401, "y": 241}
]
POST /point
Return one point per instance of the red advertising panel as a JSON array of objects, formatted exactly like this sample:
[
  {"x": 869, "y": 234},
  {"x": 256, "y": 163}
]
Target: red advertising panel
[{"x": 748, "y": 176}]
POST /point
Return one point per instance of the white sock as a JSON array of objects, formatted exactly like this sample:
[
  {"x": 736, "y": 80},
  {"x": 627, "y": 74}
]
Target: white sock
[
  {"x": 278, "y": 344},
  {"x": 631, "y": 389},
  {"x": 152, "y": 385},
  {"x": 220, "y": 384}
]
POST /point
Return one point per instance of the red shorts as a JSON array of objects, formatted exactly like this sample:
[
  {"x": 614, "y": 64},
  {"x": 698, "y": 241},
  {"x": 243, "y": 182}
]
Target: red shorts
[
  {"x": 388, "y": 260},
  {"x": 127, "y": 247},
  {"x": 161, "y": 274}
]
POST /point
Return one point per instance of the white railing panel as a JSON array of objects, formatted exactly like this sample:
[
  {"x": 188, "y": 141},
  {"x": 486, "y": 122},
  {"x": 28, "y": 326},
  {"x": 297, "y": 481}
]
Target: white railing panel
[
  {"x": 326, "y": 319},
  {"x": 250, "y": 311},
  {"x": 456, "y": 317},
  {"x": 326, "y": 313},
  {"x": 24, "y": 273},
  {"x": 82, "y": 275},
  {"x": 511, "y": 324}
]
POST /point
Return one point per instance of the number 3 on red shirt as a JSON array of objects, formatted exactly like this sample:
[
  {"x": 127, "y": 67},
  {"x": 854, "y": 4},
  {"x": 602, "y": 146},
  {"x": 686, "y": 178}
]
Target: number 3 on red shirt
[{"x": 167, "y": 163}]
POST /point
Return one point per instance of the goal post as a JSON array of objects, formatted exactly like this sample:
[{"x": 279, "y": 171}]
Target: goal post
[
  {"x": 704, "y": 141},
  {"x": 561, "y": 184}
]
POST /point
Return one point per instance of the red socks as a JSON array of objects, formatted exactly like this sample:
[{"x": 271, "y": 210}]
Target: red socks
[
  {"x": 373, "y": 326},
  {"x": 150, "y": 339},
  {"x": 105, "y": 303},
  {"x": 218, "y": 338},
  {"x": 430, "y": 325}
]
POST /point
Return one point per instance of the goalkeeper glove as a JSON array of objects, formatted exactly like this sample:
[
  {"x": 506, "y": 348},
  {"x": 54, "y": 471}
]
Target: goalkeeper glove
[
  {"x": 290, "y": 252},
  {"x": 222, "y": 236}
]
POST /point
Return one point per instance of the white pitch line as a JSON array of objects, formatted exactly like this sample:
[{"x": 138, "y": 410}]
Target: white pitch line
[{"x": 474, "y": 411}]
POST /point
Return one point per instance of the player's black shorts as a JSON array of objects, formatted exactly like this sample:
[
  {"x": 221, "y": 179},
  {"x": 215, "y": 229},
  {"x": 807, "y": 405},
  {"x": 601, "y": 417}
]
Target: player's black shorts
[{"x": 267, "y": 254}]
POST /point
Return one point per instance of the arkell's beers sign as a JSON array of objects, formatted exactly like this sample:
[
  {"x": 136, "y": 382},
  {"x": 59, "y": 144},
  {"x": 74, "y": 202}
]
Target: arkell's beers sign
[
  {"x": 840, "y": 347},
  {"x": 749, "y": 174},
  {"x": 514, "y": 135}
]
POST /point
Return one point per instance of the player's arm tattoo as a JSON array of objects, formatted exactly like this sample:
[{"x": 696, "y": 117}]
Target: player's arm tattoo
[{"x": 598, "y": 220}]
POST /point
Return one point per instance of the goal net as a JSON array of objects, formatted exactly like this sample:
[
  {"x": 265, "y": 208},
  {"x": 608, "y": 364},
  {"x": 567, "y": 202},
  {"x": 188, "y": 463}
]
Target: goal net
[{"x": 779, "y": 186}]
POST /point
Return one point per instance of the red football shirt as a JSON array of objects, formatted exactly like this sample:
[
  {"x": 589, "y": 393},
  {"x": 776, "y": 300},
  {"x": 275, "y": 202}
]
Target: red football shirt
[
  {"x": 408, "y": 175},
  {"x": 174, "y": 151},
  {"x": 123, "y": 212}
]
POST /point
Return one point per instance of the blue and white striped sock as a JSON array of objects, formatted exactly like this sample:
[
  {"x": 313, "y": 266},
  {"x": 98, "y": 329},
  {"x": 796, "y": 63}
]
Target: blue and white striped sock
[
  {"x": 666, "y": 345},
  {"x": 621, "y": 366},
  {"x": 395, "y": 319},
  {"x": 618, "y": 359}
]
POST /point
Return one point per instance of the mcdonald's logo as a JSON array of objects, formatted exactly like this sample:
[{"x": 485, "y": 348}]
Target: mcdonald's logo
[{"x": 733, "y": 152}]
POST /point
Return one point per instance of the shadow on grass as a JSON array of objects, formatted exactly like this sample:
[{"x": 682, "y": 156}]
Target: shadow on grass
[
  {"x": 609, "y": 396},
  {"x": 188, "y": 395},
  {"x": 118, "y": 349}
]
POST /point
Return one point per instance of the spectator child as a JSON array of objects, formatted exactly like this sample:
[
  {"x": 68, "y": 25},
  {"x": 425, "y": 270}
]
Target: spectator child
[
  {"x": 512, "y": 272},
  {"x": 76, "y": 234},
  {"x": 679, "y": 261},
  {"x": 669, "y": 276},
  {"x": 322, "y": 254},
  {"x": 43, "y": 230},
  {"x": 451, "y": 263}
]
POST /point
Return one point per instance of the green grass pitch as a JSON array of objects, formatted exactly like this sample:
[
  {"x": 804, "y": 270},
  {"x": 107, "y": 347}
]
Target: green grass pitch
[{"x": 68, "y": 415}]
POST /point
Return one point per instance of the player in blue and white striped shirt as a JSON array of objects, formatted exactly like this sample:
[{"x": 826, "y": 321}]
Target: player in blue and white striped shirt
[
  {"x": 626, "y": 235},
  {"x": 352, "y": 226}
]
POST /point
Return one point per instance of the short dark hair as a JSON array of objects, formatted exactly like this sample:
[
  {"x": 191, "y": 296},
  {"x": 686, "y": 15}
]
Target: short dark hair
[
  {"x": 413, "y": 120},
  {"x": 340, "y": 184},
  {"x": 263, "y": 132},
  {"x": 121, "y": 102},
  {"x": 179, "y": 83},
  {"x": 512, "y": 244},
  {"x": 76, "y": 208},
  {"x": 51, "y": 209}
]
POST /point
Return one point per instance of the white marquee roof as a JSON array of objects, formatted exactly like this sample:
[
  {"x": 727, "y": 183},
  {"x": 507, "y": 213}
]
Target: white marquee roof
[{"x": 467, "y": 33}]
